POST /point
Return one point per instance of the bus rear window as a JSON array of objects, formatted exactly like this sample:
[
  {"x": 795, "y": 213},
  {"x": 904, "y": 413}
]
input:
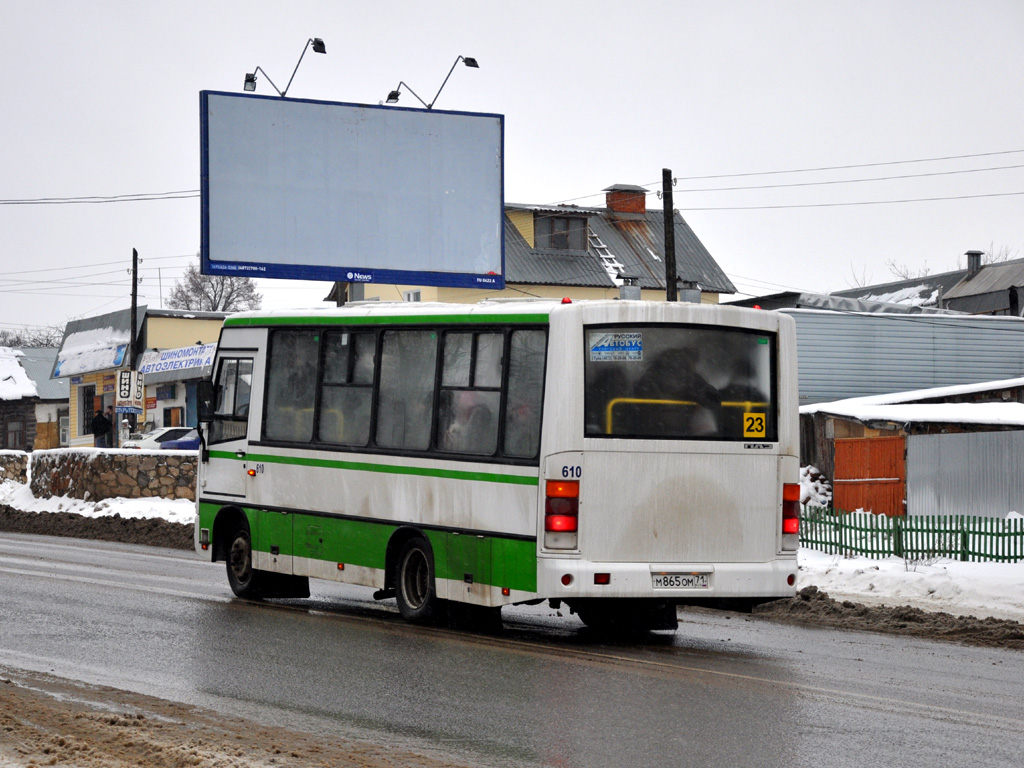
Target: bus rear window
[{"x": 680, "y": 383}]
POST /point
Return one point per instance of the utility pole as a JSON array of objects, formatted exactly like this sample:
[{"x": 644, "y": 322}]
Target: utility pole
[
  {"x": 671, "y": 289},
  {"x": 135, "y": 307}
]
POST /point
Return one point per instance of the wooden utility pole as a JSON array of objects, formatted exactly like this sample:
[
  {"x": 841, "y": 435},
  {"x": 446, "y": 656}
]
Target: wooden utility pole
[
  {"x": 135, "y": 308},
  {"x": 671, "y": 289}
]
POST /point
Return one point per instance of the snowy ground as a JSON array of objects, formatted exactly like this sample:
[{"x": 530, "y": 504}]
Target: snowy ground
[
  {"x": 976, "y": 589},
  {"x": 19, "y": 496}
]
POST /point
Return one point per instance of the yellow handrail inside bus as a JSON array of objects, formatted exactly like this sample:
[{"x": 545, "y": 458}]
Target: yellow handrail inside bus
[
  {"x": 747, "y": 404},
  {"x": 642, "y": 400}
]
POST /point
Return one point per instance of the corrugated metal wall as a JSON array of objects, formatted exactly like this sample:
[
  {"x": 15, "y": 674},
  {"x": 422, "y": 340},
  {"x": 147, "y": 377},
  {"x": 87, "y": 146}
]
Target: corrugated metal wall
[
  {"x": 970, "y": 473},
  {"x": 844, "y": 354}
]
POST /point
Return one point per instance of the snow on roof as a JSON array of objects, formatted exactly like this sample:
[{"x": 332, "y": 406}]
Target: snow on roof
[
  {"x": 96, "y": 349},
  {"x": 914, "y": 395},
  {"x": 1005, "y": 414},
  {"x": 914, "y": 295},
  {"x": 14, "y": 381}
]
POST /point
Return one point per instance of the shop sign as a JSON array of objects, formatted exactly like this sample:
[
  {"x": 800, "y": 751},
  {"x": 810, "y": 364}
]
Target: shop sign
[
  {"x": 131, "y": 391},
  {"x": 181, "y": 359}
]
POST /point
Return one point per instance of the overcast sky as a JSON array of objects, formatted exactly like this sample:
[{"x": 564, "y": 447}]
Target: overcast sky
[{"x": 102, "y": 99}]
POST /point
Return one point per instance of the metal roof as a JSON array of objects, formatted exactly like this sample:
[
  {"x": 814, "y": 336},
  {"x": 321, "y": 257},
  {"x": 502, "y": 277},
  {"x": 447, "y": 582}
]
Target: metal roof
[
  {"x": 796, "y": 300},
  {"x": 925, "y": 290},
  {"x": 845, "y": 354},
  {"x": 988, "y": 279},
  {"x": 38, "y": 362},
  {"x": 637, "y": 241},
  {"x": 526, "y": 265},
  {"x": 119, "y": 322}
]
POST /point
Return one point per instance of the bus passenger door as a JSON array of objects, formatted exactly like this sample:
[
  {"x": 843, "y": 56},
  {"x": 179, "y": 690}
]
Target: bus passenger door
[{"x": 224, "y": 468}]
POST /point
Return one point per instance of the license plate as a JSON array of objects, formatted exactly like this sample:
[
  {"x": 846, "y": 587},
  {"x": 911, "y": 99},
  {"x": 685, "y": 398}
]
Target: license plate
[{"x": 680, "y": 580}]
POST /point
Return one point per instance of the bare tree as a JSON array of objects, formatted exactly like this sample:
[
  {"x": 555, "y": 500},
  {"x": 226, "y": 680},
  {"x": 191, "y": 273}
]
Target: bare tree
[
  {"x": 209, "y": 293},
  {"x": 904, "y": 272},
  {"x": 994, "y": 255},
  {"x": 860, "y": 280},
  {"x": 41, "y": 336}
]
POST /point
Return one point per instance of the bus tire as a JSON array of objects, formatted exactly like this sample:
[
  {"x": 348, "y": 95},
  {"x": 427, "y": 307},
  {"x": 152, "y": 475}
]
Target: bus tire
[
  {"x": 243, "y": 578},
  {"x": 414, "y": 582}
]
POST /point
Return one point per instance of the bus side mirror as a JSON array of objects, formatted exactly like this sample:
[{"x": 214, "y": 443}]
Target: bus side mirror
[{"x": 205, "y": 394}]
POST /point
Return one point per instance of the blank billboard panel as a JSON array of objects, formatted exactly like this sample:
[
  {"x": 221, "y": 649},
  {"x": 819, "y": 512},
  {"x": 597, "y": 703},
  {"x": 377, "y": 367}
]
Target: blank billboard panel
[{"x": 317, "y": 190}]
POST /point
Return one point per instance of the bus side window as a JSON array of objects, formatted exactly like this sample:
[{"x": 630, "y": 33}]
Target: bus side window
[
  {"x": 231, "y": 411},
  {"x": 525, "y": 393},
  {"x": 405, "y": 409},
  {"x": 470, "y": 393},
  {"x": 347, "y": 388},
  {"x": 291, "y": 386}
]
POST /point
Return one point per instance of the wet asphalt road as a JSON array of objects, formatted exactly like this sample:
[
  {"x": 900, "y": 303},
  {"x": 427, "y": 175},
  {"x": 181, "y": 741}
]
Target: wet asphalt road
[{"x": 725, "y": 689}]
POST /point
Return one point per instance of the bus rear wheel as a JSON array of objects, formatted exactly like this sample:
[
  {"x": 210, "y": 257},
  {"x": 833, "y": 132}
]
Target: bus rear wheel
[
  {"x": 242, "y": 577},
  {"x": 414, "y": 582}
]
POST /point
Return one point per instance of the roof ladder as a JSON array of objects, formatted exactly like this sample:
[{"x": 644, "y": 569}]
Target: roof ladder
[{"x": 611, "y": 264}]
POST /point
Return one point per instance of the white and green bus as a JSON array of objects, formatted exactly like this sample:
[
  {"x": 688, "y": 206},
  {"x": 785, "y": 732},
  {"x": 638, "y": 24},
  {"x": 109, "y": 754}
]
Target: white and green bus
[{"x": 618, "y": 457}]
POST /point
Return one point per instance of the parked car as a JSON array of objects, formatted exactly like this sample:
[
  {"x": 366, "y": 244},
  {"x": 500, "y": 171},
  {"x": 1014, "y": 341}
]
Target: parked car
[
  {"x": 189, "y": 442},
  {"x": 156, "y": 438}
]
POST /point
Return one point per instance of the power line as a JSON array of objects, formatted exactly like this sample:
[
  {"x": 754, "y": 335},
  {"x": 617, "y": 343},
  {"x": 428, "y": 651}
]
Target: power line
[
  {"x": 856, "y": 202},
  {"x": 192, "y": 193},
  {"x": 853, "y": 181},
  {"x": 141, "y": 197},
  {"x": 846, "y": 167},
  {"x": 809, "y": 170},
  {"x": 95, "y": 264}
]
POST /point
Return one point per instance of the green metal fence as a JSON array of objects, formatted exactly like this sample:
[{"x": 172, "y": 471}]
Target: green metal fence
[{"x": 958, "y": 537}]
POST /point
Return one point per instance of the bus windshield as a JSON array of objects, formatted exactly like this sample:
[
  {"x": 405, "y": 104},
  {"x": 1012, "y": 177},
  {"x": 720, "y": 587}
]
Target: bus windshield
[{"x": 679, "y": 383}]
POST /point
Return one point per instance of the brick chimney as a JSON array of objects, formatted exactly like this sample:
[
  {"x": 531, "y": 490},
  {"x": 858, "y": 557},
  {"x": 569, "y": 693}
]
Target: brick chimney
[{"x": 626, "y": 198}]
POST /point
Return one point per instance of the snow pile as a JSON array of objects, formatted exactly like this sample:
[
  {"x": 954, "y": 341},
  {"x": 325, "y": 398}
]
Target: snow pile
[
  {"x": 19, "y": 496},
  {"x": 963, "y": 589},
  {"x": 815, "y": 488},
  {"x": 14, "y": 382}
]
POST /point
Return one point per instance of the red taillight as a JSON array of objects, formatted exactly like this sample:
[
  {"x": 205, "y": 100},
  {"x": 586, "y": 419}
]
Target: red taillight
[
  {"x": 791, "y": 508},
  {"x": 563, "y": 489},
  {"x": 561, "y": 514},
  {"x": 561, "y": 510}
]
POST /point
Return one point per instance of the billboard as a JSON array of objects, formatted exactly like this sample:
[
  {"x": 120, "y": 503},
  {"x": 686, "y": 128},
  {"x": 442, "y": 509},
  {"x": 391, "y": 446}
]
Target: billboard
[{"x": 316, "y": 190}]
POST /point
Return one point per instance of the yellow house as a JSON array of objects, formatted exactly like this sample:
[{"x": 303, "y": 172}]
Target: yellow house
[{"x": 583, "y": 253}]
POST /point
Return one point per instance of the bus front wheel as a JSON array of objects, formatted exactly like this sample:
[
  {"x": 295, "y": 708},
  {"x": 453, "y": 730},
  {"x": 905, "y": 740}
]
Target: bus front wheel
[
  {"x": 242, "y": 577},
  {"x": 414, "y": 582}
]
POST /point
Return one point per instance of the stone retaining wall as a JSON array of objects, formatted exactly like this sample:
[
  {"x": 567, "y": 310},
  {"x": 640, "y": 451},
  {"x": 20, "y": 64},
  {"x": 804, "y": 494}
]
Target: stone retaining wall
[
  {"x": 13, "y": 466},
  {"x": 96, "y": 474}
]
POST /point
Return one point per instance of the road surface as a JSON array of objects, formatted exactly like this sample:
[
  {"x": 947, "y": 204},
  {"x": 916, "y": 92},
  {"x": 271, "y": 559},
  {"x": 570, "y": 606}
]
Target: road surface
[{"x": 724, "y": 689}]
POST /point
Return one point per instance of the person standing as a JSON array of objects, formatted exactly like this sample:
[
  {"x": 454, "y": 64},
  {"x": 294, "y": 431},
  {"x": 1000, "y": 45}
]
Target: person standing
[
  {"x": 112, "y": 441},
  {"x": 100, "y": 430}
]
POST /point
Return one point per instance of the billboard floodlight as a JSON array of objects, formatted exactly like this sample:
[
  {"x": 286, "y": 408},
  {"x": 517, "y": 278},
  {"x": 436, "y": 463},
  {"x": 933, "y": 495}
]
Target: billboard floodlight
[
  {"x": 469, "y": 61},
  {"x": 250, "y": 77}
]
